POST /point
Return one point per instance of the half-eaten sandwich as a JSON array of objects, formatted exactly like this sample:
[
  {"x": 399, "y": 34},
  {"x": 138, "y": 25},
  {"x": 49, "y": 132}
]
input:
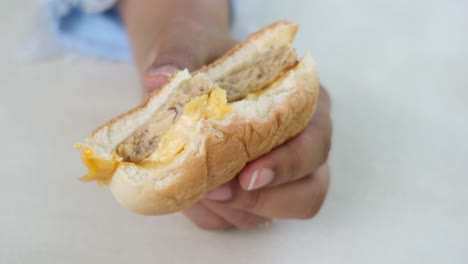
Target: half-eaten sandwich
[{"x": 200, "y": 129}]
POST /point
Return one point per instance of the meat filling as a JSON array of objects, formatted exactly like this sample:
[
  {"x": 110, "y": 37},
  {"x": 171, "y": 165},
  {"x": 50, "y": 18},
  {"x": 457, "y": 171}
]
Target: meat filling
[
  {"x": 145, "y": 140},
  {"x": 238, "y": 84},
  {"x": 255, "y": 77}
]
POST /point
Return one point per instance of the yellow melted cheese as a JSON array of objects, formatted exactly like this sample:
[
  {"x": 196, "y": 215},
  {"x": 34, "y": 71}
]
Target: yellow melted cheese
[
  {"x": 209, "y": 106},
  {"x": 212, "y": 106},
  {"x": 99, "y": 169}
]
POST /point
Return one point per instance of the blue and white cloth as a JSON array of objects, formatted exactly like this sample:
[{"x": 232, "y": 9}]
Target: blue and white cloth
[{"x": 91, "y": 27}]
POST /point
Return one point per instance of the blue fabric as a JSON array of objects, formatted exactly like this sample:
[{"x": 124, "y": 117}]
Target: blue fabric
[{"x": 101, "y": 35}]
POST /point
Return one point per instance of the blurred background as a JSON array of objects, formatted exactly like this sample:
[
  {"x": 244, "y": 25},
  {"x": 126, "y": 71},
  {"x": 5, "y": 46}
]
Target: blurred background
[{"x": 398, "y": 75}]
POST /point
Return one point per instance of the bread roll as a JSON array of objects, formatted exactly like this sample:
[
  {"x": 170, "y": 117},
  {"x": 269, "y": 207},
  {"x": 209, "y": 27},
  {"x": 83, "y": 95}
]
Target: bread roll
[{"x": 199, "y": 130}]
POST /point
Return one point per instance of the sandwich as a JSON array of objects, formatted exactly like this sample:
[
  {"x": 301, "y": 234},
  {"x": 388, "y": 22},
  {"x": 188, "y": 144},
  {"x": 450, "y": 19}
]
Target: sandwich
[{"x": 201, "y": 128}]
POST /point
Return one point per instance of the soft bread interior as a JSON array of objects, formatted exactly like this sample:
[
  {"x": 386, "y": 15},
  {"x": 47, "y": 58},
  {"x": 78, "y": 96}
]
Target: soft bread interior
[
  {"x": 279, "y": 34},
  {"x": 172, "y": 184},
  {"x": 216, "y": 110},
  {"x": 256, "y": 76},
  {"x": 105, "y": 139},
  {"x": 216, "y": 132},
  {"x": 145, "y": 139},
  {"x": 265, "y": 57},
  {"x": 238, "y": 84}
]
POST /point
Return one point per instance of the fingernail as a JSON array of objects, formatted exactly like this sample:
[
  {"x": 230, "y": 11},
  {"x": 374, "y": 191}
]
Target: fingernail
[
  {"x": 156, "y": 77},
  {"x": 222, "y": 193},
  {"x": 166, "y": 70},
  {"x": 260, "y": 178}
]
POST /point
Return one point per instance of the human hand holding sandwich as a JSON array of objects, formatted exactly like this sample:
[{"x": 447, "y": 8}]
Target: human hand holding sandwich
[{"x": 289, "y": 182}]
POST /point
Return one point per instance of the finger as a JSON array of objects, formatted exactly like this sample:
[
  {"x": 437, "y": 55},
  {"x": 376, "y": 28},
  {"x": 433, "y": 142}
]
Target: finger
[
  {"x": 239, "y": 218},
  {"x": 220, "y": 193},
  {"x": 183, "y": 44},
  {"x": 174, "y": 51},
  {"x": 156, "y": 77},
  {"x": 299, "y": 199},
  {"x": 205, "y": 218},
  {"x": 297, "y": 157},
  {"x": 288, "y": 162}
]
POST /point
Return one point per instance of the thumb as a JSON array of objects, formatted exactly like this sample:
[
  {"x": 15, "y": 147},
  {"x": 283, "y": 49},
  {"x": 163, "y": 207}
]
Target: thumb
[
  {"x": 173, "y": 54},
  {"x": 155, "y": 77},
  {"x": 183, "y": 45}
]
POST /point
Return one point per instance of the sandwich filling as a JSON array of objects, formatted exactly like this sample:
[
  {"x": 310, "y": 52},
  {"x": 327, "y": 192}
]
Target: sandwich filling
[
  {"x": 145, "y": 139},
  {"x": 238, "y": 84},
  {"x": 260, "y": 73},
  {"x": 160, "y": 139}
]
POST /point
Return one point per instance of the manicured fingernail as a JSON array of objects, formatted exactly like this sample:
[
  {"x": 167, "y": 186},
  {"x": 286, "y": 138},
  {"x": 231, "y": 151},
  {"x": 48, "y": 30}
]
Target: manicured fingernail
[
  {"x": 156, "y": 77},
  {"x": 260, "y": 178},
  {"x": 166, "y": 70},
  {"x": 222, "y": 193}
]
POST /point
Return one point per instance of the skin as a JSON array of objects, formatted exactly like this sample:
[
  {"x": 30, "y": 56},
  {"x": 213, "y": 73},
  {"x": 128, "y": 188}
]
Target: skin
[{"x": 167, "y": 35}]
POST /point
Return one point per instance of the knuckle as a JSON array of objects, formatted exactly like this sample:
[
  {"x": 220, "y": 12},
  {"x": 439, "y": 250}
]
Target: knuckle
[
  {"x": 211, "y": 225},
  {"x": 292, "y": 160},
  {"x": 315, "y": 204},
  {"x": 249, "y": 221},
  {"x": 311, "y": 211},
  {"x": 253, "y": 201},
  {"x": 322, "y": 146}
]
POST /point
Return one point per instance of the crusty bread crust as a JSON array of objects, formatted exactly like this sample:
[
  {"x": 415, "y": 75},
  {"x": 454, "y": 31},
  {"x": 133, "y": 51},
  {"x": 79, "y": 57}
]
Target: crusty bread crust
[
  {"x": 270, "y": 37},
  {"x": 108, "y": 136},
  {"x": 218, "y": 150},
  {"x": 116, "y": 130}
]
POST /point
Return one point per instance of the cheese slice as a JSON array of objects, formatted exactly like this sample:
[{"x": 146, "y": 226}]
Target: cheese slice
[
  {"x": 99, "y": 169},
  {"x": 213, "y": 106}
]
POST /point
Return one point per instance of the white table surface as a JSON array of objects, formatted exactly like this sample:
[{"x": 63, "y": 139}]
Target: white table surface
[{"x": 398, "y": 74}]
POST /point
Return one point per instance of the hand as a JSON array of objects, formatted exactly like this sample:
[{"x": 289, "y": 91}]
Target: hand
[
  {"x": 290, "y": 182},
  {"x": 183, "y": 44}
]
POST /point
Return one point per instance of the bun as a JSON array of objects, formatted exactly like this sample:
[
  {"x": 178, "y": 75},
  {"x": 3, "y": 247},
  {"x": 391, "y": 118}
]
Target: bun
[{"x": 201, "y": 129}]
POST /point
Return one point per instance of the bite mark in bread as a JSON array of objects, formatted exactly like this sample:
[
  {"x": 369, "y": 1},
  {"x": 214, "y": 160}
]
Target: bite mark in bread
[
  {"x": 261, "y": 72},
  {"x": 213, "y": 139},
  {"x": 145, "y": 139},
  {"x": 239, "y": 83}
]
